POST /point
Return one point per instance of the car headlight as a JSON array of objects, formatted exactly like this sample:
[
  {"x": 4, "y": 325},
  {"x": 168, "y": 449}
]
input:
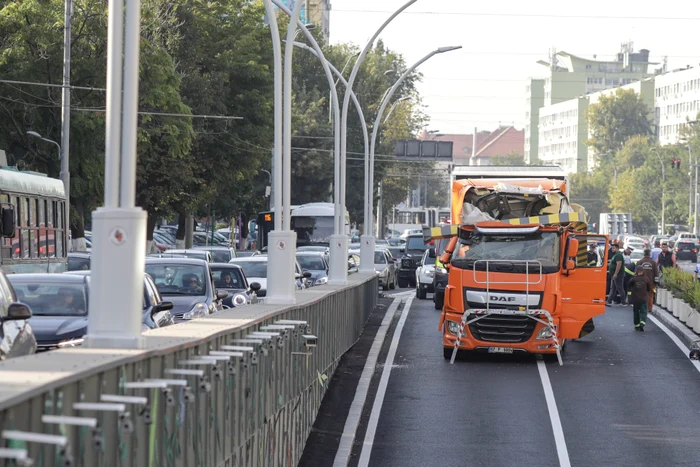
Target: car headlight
[
  {"x": 545, "y": 333},
  {"x": 441, "y": 270},
  {"x": 321, "y": 281},
  {"x": 73, "y": 342},
  {"x": 453, "y": 327},
  {"x": 430, "y": 272},
  {"x": 199, "y": 309},
  {"x": 240, "y": 299}
]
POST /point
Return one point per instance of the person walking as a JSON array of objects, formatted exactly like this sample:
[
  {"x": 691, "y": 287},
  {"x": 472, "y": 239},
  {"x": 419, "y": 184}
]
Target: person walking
[
  {"x": 617, "y": 278},
  {"x": 651, "y": 272},
  {"x": 656, "y": 251},
  {"x": 666, "y": 259},
  {"x": 629, "y": 272},
  {"x": 641, "y": 287}
]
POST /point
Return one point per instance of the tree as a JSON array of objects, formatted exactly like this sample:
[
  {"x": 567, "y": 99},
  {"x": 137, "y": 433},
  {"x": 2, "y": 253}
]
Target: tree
[
  {"x": 512, "y": 158},
  {"x": 590, "y": 190},
  {"x": 615, "y": 119}
]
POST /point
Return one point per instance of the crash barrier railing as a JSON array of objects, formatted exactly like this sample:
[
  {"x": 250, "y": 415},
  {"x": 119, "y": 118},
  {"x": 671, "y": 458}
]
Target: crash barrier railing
[{"x": 239, "y": 388}]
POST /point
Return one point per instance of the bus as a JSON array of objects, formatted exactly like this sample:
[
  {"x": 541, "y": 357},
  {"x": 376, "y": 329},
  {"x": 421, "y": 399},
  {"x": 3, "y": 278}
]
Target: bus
[
  {"x": 312, "y": 222},
  {"x": 32, "y": 222},
  {"x": 413, "y": 219}
]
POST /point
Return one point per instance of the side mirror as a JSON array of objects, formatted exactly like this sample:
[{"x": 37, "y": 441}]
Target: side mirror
[
  {"x": 572, "y": 252},
  {"x": 393, "y": 260},
  {"x": 570, "y": 266},
  {"x": 431, "y": 253},
  {"x": 255, "y": 286},
  {"x": 297, "y": 276},
  {"x": 164, "y": 306},
  {"x": 8, "y": 221},
  {"x": 306, "y": 274},
  {"x": 17, "y": 311},
  {"x": 445, "y": 258},
  {"x": 221, "y": 294}
]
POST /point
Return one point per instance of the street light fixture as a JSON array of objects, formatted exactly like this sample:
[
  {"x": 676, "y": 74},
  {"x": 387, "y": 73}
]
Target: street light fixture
[
  {"x": 383, "y": 105},
  {"x": 391, "y": 109}
]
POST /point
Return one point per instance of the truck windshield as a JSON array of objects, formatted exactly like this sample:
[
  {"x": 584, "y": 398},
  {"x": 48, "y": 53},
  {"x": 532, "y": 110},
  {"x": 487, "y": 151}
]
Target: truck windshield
[{"x": 507, "y": 253}]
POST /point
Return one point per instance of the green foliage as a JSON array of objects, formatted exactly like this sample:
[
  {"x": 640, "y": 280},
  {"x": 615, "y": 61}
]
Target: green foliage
[
  {"x": 682, "y": 285},
  {"x": 513, "y": 158}
]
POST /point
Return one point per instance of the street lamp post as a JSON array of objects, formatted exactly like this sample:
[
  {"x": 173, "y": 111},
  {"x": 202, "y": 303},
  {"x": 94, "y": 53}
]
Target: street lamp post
[
  {"x": 367, "y": 240},
  {"x": 386, "y": 100},
  {"x": 368, "y": 264},
  {"x": 65, "y": 178},
  {"x": 663, "y": 192},
  {"x": 65, "y": 113}
]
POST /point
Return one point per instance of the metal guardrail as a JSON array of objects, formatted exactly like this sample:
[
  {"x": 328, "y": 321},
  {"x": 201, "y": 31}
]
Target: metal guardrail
[{"x": 216, "y": 391}]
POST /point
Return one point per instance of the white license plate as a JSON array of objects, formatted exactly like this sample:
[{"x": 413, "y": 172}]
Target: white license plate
[{"x": 500, "y": 350}]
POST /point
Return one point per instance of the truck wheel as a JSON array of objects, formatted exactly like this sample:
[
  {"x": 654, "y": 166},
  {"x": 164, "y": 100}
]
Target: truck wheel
[
  {"x": 413, "y": 282},
  {"x": 447, "y": 352},
  {"x": 439, "y": 300},
  {"x": 403, "y": 283},
  {"x": 420, "y": 293},
  {"x": 385, "y": 287}
]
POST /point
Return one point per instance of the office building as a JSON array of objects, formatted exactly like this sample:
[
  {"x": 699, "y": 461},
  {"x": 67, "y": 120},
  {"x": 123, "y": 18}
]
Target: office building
[{"x": 677, "y": 96}]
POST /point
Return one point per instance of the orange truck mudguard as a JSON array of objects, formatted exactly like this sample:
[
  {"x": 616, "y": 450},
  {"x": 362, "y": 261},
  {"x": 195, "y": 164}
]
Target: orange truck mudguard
[{"x": 524, "y": 276}]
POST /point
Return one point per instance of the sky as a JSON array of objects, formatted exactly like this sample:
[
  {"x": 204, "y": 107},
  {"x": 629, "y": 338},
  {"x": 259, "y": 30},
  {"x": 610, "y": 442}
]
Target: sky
[{"x": 483, "y": 84}]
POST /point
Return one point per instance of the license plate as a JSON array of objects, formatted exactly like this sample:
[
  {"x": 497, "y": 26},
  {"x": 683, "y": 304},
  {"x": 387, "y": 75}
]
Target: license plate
[{"x": 500, "y": 350}]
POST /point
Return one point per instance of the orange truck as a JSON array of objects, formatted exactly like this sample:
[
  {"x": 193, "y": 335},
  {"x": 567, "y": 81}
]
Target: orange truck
[{"x": 523, "y": 274}]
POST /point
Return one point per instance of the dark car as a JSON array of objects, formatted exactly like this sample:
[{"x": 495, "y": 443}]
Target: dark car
[
  {"x": 78, "y": 261},
  {"x": 686, "y": 249},
  {"x": 315, "y": 263},
  {"x": 219, "y": 254},
  {"x": 156, "y": 311},
  {"x": 413, "y": 254},
  {"x": 59, "y": 307},
  {"x": 16, "y": 333},
  {"x": 239, "y": 291},
  {"x": 187, "y": 283}
]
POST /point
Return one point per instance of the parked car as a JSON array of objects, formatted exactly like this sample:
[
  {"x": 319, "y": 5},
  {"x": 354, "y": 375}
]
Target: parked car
[
  {"x": 156, "y": 311},
  {"x": 425, "y": 272},
  {"x": 187, "y": 282},
  {"x": 16, "y": 333},
  {"x": 220, "y": 254},
  {"x": 193, "y": 253},
  {"x": 686, "y": 249},
  {"x": 316, "y": 264},
  {"x": 59, "y": 307},
  {"x": 78, "y": 261},
  {"x": 240, "y": 291},
  {"x": 384, "y": 265}
]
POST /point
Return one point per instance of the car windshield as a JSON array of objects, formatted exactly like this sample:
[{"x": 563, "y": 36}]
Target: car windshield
[
  {"x": 178, "y": 279},
  {"x": 189, "y": 254},
  {"x": 228, "y": 278},
  {"x": 379, "y": 258},
  {"x": 395, "y": 252},
  {"x": 416, "y": 243},
  {"x": 507, "y": 253},
  {"x": 77, "y": 263},
  {"x": 52, "y": 299},
  {"x": 311, "y": 263},
  {"x": 253, "y": 268}
]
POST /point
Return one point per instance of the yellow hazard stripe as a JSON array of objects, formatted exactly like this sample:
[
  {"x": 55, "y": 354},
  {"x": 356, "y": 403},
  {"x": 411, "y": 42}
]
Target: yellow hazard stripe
[
  {"x": 562, "y": 218},
  {"x": 445, "y": 231}
]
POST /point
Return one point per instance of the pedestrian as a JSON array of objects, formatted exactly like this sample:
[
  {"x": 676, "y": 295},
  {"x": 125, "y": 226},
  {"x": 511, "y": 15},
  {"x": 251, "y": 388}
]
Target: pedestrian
[
  {"x": 629, "y": 272},
  {"x": 656, "y": 251},
  {"x": 617, "y": 277},
  {"x": 592, "y": 255},
  {"x": 641, "y": 287},
  {"x": 651, "y": 272},
  {"x": 697, "y": 269},
  {"x": 666, "y": 259}
]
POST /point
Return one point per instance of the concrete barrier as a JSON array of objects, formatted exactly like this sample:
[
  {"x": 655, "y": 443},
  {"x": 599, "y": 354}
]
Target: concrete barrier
[{"x": 230, "y": 406}]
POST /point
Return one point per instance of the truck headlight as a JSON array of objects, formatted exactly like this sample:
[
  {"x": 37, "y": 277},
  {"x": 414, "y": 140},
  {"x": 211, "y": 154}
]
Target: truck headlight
[
  {"x": 545, "y": 333},
  {"x": 453, "y": 327},
  {"x": 239, "y": 299}
]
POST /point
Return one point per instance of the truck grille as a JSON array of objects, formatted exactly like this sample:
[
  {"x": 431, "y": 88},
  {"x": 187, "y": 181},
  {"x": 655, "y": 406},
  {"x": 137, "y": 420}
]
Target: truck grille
[
  {"x": 406, "y": 263},
  {"x": 502, "y": 328}
]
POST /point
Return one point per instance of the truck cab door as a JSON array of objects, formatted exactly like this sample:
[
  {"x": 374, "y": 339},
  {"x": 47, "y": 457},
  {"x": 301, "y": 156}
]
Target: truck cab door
[{"x": 583, "y": 288}]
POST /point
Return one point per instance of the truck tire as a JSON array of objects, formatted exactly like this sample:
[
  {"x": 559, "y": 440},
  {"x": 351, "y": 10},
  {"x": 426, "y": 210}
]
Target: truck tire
[
  {"x": 413, "y": 282},
  {"x": 439, "y": 300},
  {"x": 420, "y": 293},
  {"x": 403, "y": 283}
]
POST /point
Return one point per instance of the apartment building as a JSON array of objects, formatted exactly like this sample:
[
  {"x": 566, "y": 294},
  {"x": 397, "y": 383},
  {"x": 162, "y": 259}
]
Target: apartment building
[
  {"x": 562, "y": 135},
  {"x": 677, "y": 96}
]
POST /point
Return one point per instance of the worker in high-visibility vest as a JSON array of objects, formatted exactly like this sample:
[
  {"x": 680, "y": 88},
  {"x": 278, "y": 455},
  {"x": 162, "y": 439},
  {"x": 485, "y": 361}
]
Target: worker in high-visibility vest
[{"x": 629, "y": 266}]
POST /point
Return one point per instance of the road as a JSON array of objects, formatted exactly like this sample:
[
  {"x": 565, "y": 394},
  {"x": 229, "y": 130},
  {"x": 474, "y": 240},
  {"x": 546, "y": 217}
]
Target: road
[
  {"x": 622, "y": 398},
  {"x": 687, "y": 266}
]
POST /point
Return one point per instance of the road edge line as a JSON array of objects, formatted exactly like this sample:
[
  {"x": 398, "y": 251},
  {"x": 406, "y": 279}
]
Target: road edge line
[
  {"x": 347, "y": 439},
  {"x": 675, "y": 339},
  {"x": 381, "y": 389},
  {"x": 555, "y": 420}
]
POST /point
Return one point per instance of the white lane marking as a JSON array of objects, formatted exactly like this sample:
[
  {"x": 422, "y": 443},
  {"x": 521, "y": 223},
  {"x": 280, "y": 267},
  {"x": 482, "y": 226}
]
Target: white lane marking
[
  {"x": 559, "y": 439},
  {"x": 675, "y": 339},
  {"x": 381, "y": 390},
  {"x": 342, "y": 456}
]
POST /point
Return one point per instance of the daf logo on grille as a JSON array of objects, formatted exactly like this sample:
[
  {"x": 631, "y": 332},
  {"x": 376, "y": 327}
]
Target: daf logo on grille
[{"x": 496, "y": 298}]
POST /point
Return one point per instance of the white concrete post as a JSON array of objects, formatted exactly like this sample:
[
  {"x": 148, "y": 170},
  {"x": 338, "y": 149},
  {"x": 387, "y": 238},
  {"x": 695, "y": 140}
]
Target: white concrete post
[{"x": 119, "y": 228}]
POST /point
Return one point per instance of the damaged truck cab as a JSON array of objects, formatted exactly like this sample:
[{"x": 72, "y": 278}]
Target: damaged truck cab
[{"x": 520, "y": 274}]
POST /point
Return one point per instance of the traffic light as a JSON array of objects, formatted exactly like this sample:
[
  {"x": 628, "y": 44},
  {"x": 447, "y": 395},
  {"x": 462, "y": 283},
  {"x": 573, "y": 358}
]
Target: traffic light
[
  {"x": 676, "y": 163},
  {"x": 673, "y": 163}
]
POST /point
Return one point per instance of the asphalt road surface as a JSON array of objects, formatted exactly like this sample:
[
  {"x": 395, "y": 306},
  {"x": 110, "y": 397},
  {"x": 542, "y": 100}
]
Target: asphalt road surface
[{"x": 622, "y": 398}]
